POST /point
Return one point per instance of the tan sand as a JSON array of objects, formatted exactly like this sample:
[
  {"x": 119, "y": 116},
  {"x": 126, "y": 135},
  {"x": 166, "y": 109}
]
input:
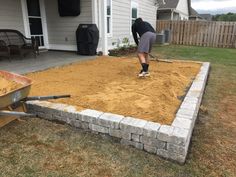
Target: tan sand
[
  {"x": 7, "y": 86},
  {"x": 111, "y": 85}
]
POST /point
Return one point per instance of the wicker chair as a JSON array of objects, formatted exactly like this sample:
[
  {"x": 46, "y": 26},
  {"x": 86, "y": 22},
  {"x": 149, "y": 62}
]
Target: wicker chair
[
  {"x": 17, "y": 43},
  {"x": 4, "y": 50}
]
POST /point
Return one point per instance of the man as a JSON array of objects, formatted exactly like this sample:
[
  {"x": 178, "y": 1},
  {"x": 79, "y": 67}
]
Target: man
[{"x": 147, "y": 36}]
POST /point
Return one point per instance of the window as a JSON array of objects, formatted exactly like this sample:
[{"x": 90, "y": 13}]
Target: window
[
  {"x": 134, "y": 12},
  {"x": 109, "y": 16}
]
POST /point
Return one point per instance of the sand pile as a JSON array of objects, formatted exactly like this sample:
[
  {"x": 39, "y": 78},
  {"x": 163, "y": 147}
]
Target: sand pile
[
  {"x": 7, "y": 86},
  {"x": 111, "y": 85}
]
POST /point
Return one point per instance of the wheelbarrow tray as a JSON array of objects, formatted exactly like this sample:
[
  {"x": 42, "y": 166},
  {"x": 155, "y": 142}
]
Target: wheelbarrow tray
[{"x": 18, "y": 94}]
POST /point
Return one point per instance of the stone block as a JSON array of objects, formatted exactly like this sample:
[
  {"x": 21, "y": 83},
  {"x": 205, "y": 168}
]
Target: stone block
[
  {"x": 182, "y": 150},
  {"x": 150, "y": 149},
  {"x": 153, "y": 142},
  {"x": 185, "y": 116},
  {"x": 195, "y": 94},
  {"x": 206, "y": 65},
  {"x": 43, "y": 115},
  {"x": 132, "y": 143},
  {"x": 186, "y": 112},
  {"x": 115, "y": 133},
  {"x": 190, "y": 100},
  {"x": 135, "y": 137},
  {"x": 165, "y": 132},
  {"x": 98, "y": 128},
  {"x": 173, "y": 156},
  {"x": 188, "y": 106},
  {"x": 182, "y": 123},
  {"x": 84, "y": 125},
  {"x": 90, "y": 115},
  {"x": 71, "y": 115},
  {"x": 110, "y": 120},
  {"x": 133, "y": 125},
  {"x": 201, "y": 77},
  {"x": 58, "y": 118},
  {"x": 151, "y": 129},
  {"x": 179, "y": 136},
  {"x": 30, "y": 107},
  {"x": 75, "y": 123},
  {"x": 69, "y": 120},
  {"x": 79, "y": 124},
  {"x": 126, "y": 135},
  {"x": 197, "y": 86},
  {"x": 50, "y": 111}
]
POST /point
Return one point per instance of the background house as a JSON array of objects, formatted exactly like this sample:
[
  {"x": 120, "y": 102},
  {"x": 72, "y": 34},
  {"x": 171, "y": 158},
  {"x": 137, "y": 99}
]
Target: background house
[
  {"x": 194, "y": 15},
  {"x": 207, "y": 17},
  {"x": 40, "y": 18},
  {"x": 173, "y": 9},
  {"x": 176, "y": 10}
]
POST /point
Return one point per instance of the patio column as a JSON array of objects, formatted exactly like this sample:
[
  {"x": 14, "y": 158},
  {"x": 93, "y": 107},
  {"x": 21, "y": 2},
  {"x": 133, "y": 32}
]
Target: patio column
[
  {"x": 25, "y": 18},
  {"x": 95, "y": 8},
  {"x": 104, "y": 27}
]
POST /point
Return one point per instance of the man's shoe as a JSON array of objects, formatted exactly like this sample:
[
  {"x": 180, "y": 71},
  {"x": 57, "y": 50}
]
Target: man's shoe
[{"x": 144, "y": 74}]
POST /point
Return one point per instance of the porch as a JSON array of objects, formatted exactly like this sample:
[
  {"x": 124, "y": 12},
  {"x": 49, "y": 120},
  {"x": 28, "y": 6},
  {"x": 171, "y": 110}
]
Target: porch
[
  {"x": 41, "y": 19},
  {"x": 44, "y": 61}
]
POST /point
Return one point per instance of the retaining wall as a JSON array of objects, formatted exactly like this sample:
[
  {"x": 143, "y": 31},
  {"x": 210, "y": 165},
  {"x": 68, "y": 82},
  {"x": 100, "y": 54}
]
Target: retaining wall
[{"x": 168, "y": 141}]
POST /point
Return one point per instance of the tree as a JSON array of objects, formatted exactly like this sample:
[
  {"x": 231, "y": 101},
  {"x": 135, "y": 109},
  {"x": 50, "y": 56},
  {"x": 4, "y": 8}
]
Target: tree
[{"x": 225, "y": 17}]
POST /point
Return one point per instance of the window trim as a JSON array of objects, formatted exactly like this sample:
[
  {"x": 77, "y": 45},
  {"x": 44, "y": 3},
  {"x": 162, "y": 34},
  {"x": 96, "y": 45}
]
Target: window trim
[
  {"x": 111, "y": 21},
  {"x": 134, "y": 4}
]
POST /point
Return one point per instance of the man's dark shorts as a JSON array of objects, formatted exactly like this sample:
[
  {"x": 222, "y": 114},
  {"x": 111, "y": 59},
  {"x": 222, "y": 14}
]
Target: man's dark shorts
[{"x": 146, "y": 42}]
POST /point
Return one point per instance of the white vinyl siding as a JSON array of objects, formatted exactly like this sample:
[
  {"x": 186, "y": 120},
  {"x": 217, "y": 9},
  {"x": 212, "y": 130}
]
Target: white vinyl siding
[
  {"x": 182, "y": 8},
  {"x": 61, "y": 30},
  {"x": 11, "y": 15},
  {"x": 147, "y": 11},
  {"x": 122, "y": 18},
  {"x": 121, "y": 21}
]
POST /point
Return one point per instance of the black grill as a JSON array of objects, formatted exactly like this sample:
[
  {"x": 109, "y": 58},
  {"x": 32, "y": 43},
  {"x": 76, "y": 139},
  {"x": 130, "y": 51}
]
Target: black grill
[{"x": 87, "y": 36}]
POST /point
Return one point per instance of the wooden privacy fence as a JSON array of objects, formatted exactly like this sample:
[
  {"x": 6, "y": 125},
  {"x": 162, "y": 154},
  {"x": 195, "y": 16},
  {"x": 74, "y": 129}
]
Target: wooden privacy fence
[{"x": 200, "y": 33}]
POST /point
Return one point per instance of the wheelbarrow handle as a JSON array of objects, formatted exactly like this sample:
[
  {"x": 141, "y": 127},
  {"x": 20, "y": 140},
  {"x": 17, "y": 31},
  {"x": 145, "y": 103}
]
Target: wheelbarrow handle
[
  {"x": 46, "y": 97},
  {"x": 17, "y": 114}
]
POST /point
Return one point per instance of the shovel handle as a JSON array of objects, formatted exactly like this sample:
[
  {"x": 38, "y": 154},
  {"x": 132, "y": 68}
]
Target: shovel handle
[{"x": 46, "y": 97}]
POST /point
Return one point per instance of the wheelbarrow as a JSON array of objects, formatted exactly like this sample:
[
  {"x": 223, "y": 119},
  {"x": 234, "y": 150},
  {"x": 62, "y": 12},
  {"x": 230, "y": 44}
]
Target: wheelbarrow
[{"x": 19, "y": 95}]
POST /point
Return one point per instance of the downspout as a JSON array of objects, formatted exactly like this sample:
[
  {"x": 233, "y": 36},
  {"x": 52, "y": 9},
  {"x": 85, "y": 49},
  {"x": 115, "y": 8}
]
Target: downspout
[
  {"x": 104, "y": 28},
  {"x": 189, "y": 8},
  {"x": 172, "y": 14}
]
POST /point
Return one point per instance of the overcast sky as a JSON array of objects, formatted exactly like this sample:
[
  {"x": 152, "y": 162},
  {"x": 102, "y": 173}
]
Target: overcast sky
[{"x": 214, "y": 6}]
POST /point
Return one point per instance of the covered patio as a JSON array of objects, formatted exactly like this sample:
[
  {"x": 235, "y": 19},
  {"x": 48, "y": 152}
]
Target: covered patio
[
  {"x": 52, "y": 30},
  {"x": 43, "y": 61}
]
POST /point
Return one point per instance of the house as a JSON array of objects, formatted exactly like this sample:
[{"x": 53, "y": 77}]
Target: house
[
  {"x": 40, "y": 18},
  {"x": 194, "y": 15},
  {"x": 173, "y": 9},
  {"x": 207, "y": 17}
]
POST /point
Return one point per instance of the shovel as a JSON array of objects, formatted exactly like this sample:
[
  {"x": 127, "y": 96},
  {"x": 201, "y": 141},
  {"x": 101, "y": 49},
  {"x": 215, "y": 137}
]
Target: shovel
[{"x": 159, "y": 60}]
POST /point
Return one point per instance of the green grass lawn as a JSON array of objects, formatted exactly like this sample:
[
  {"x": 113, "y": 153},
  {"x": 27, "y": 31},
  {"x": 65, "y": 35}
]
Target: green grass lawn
[{"x": 40, "y": 148}]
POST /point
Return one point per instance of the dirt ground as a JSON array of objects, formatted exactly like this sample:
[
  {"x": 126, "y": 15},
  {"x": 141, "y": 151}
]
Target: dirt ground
[
  {"x": 111, "y": 85},
  {"x": 7, "y": 86}
]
